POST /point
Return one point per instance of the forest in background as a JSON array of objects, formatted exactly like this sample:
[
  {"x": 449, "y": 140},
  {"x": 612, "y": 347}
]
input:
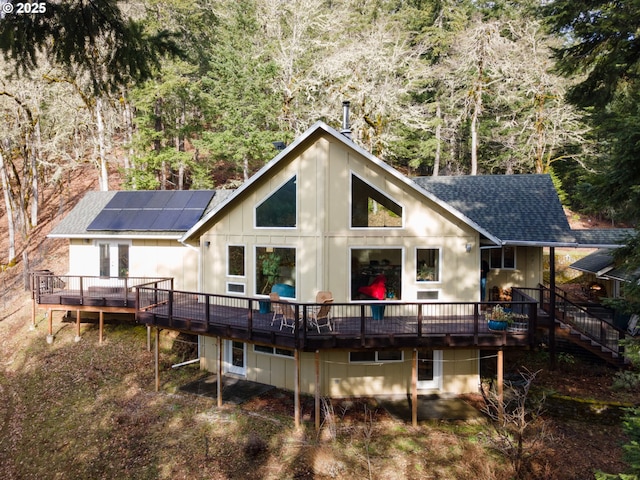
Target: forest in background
[{"x": 176, "y": 95}]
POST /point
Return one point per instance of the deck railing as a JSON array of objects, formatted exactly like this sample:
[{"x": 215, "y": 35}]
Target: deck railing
[
  {"x": 224, "y": 315},
  {"x": 46, "y": 285},
  {"x": 584, "y": 320}
]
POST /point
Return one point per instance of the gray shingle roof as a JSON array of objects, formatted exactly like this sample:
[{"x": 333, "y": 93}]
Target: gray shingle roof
[
  {"x": 517, "y": 209},
  {"x": 603, "y": 237}
]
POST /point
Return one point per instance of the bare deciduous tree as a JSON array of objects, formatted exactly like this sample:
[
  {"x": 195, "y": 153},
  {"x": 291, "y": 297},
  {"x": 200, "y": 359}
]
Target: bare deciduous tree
[{"x": 518, "y": 431}]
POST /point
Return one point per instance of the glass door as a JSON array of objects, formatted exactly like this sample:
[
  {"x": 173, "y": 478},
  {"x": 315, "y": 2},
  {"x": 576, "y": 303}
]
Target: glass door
[{"x": 235, "y": 357}]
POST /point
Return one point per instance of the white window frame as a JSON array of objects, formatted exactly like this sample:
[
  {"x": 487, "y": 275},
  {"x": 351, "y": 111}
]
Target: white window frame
[
  {"x": 239, "y": 284},
  {"x": 382, "y": 192},
  {"x": 255, "y": 266},
  {"x": 274, "y": 351},
  {"x": 423, "y": 282},
  {"x": 244, "y": 259},
  {"x": 502, "y": 267},
  {"x": 268, "y": 196},
  {"x": 376, "y": 359},
  {"x": 376, "y": 247},
  {"x": 113, "y": 254}
]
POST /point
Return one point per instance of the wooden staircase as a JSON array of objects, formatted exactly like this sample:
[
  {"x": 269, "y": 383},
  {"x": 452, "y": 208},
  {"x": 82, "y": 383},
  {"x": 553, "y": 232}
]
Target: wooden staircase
[
  {"x": 587, "y": 328},
  {"x": 574, "y": 336}
]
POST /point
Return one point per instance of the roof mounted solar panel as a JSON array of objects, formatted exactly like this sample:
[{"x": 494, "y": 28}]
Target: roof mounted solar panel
[{"x": 152, "y": 211}]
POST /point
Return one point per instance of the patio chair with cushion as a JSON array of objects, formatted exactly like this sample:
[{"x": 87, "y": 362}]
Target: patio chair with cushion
[
  {"x": 282, "y": 310},
  {"x": 321, "y": 314}
]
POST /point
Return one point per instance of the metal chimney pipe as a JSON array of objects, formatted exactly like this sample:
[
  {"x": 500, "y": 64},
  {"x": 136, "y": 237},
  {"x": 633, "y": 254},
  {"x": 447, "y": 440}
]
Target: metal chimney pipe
[{"x": 346, "y": 128}]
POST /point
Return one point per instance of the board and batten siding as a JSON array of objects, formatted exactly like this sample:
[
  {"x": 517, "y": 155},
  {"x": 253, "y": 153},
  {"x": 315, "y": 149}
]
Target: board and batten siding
[
  {"x": 323, "y": 237},
  {"x": 340, "y": 378}
]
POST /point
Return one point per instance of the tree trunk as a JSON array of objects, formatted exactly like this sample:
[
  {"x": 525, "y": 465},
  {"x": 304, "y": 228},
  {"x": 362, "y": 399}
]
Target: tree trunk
[
  {"x": 4, "y": 179},
  {"x": 35, "y": 151},
  {"x": 474, "y": 140},
  {"x": 103, "y": 175},
  {"x": 436, "y": 160},
  {"x": 127, "y": 118}
]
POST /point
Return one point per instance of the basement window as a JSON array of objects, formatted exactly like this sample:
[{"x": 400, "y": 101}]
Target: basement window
[{"x": 376, "y": 357}]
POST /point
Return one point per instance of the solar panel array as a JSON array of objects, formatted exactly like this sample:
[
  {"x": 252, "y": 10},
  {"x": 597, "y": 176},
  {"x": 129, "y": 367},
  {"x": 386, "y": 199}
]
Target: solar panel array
[{"x": 148, "y": 211}]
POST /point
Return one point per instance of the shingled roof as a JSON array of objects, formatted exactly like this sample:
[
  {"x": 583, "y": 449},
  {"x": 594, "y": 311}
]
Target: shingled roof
[{"x": 516, "y": 209}]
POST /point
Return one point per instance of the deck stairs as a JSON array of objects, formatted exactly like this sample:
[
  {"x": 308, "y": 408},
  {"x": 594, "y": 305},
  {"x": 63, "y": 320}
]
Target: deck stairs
[{"x": 591, "y": 328}]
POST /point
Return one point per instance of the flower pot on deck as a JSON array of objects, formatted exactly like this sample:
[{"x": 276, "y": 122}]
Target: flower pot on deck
[
  {"x": 377, "y": 312},
  {"x": 265, "y": 307},
  {"x": 497, "y": 325}
]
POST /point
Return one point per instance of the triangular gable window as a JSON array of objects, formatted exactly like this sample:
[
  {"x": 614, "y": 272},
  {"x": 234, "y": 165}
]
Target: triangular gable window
[
  {"x": 279, "y": 209},
  {"x": 370, "y": 208}
]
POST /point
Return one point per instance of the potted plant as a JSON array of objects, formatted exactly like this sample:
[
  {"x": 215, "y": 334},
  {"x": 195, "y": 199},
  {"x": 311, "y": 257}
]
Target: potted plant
[
  {"x": 270, "y": 269},
  {"x": 519, "y": 323},
  {"x": 499, "y": 318}
]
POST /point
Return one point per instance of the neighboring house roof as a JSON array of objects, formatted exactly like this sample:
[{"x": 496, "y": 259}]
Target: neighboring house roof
[
  {"x": 517, "y": 209},
  {"x": 597, "y": 262},
  {"x": 602, "y": 264},
  {"x": 131, "y": 214},
  {"x": 603, "y": 238},
  {"x": 505, "y": 209}
]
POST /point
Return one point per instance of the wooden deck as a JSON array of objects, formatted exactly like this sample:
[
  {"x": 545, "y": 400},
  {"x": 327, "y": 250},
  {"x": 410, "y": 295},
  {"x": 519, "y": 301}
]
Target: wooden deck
[
  {"x": 379, "y": 325},
  {"x": 403, "y": 325}
]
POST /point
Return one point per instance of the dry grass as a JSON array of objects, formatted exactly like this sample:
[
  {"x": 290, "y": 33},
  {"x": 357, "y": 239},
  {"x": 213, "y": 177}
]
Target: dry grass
[{"x": 80, "y": 410}]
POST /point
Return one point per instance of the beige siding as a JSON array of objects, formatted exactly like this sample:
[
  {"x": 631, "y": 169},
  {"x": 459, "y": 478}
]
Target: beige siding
[
  {"x": 147, "y": 258},
  {"x": 528, "y": 271},
  {"x": 323, "y": 237},
  {"x": 340, "y": 378}
]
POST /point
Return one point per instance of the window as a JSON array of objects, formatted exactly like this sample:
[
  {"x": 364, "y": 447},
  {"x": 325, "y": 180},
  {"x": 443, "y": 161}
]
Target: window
[
  {"x": 235, "y": 287},
  {"x": 383, "y": 356},
  {"x": 376, "y": 273},
  {"x": 279, "y": 209},
  {"x": 428, "y": 265},
  {"x": 504, "y": 257},
  {"x": 370, "y": 208},
  {"x": 275, "y": 265},
  {"x": 272, "y": 351},
  {"x": 114, "y": 259},
  {"x": 235, "y": 261}
]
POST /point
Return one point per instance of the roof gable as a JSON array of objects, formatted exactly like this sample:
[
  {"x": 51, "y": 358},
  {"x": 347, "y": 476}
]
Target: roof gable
[{"x": 505, "y": 209}]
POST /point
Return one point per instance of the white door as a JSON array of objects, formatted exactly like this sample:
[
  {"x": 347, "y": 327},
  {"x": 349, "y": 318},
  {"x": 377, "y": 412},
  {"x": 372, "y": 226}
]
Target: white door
[
  {"x": 429, "y": 370},
  {"x": 114, "y": 259},
  {"x": 235, "y": 354}
]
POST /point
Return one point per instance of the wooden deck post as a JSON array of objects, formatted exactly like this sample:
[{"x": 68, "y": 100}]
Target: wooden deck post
[
  {"x": 33, "y": 314},
  {"x": 296, "y": 387},
  {"x": 100, "y": 327},
  {"x": 50, "y": 322},
  {"x": 317, "y": 396},
  {"x": 500, "y": 384},
  {"x": 414, "y": 388},
  {"x": 148, "y": 338},
  {"x": 157, "y": 359},
  {"x": 77, "y": 339},
  {"x": 219, "y": 372}
]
